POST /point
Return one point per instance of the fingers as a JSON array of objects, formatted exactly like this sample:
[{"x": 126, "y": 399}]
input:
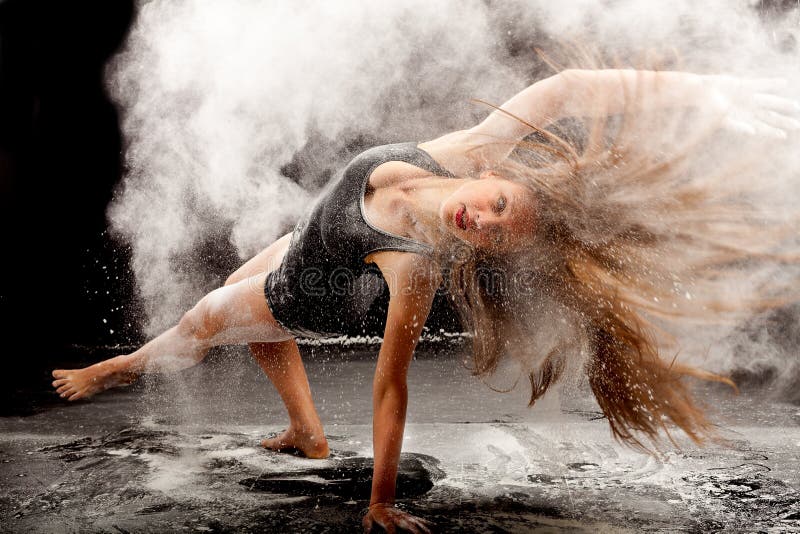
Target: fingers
[
  {"x": 765, "y": 115},
  {"x": 754, "y": 127},
  {"x": 415, "y": 525},
  {"x": 763, "y": 129},
  {"x": 390, "y": 519},
  {"x": 783, "y": 105},
  {"x": 777, "y": 120},
  {"x": 764, "y": 84},
  {"x": 367, "y": 523}
]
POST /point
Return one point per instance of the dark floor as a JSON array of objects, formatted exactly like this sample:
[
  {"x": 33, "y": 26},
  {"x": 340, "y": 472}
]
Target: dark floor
[{"x": 182, "y": 454}]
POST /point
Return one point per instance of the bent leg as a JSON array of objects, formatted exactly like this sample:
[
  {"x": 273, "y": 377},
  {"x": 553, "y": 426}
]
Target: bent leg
[{"x": 282, "y": 364}]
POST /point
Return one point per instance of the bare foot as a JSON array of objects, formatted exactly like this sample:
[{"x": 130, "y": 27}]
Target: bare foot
[
  {"x": 311, "y": 444},
  {"x": 74, "y": 384}
]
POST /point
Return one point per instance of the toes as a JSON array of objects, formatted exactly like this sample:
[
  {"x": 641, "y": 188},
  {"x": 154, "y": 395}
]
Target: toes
[
  {"x": 272, "y": 443},
  {"x": 275, "y": 441},
  {"x": 59, "y": 382},
  {"x": 283, "y": 447},
  {"x": 63, "y": 388},
  {"x": 275, "y": 445},
  {"x": 75, "y": 396},
  {"x": 59, "y": 373}
]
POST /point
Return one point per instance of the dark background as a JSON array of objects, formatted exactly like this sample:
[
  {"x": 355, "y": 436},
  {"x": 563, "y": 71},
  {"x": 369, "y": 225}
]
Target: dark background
[
  {"x": 65, "y": 286},
  {"x": 60, "y": 159}
]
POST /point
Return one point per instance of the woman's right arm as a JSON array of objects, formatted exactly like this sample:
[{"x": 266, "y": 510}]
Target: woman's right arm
[
  {"x": 602, "y": 92},
  {"x": 572, "y": 92}
]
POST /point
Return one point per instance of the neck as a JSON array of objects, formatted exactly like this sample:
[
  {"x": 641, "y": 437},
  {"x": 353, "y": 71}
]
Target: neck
[{"x": 423, "y": 199}]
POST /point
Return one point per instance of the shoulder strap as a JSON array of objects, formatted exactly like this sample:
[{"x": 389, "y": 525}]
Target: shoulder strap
[
  {"x": 407, "y": 153},
  {"x": 425, "y": 161}
]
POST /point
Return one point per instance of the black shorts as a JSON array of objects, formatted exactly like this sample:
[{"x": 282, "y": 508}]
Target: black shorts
[{"x": 312, "y": 297}]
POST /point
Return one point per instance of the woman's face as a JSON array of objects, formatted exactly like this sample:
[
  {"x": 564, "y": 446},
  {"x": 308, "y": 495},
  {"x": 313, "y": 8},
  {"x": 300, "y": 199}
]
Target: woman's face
[{"x": 492, "y": 213}]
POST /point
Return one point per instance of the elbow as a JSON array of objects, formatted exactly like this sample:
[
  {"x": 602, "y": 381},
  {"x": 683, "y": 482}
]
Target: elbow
[
  {"x": 573, "y": 80},
  {"x": 571, "y": 76},
  {"x": 393, "y": 391}
]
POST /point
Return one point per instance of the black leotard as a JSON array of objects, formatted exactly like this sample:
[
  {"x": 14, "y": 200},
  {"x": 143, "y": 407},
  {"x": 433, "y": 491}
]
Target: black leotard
[{"x": 323, "y": 284}]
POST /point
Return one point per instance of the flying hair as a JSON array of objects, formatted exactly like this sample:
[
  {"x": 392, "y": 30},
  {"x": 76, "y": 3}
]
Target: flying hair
[{"x": 646, "y": 222}]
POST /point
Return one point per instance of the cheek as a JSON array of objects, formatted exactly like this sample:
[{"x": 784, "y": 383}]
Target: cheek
[{"x": 465, "y": 193}]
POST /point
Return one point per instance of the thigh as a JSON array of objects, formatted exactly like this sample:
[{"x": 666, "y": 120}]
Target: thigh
[
  {"x": 239, "y": 313},
  {"x": 265, "y": 261}
]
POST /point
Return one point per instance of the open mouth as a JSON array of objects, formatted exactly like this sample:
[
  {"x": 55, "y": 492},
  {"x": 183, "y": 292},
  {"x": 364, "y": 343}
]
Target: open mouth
[{"x": 462, "y": 218}]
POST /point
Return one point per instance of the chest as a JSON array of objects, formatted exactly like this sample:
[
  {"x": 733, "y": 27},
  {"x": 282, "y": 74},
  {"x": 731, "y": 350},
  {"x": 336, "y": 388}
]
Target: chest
[{"x": 385, "y": 204}]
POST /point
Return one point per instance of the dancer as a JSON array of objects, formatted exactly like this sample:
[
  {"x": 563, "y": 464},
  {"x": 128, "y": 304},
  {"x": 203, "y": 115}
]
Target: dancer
[{"x": 575, "y": 247}]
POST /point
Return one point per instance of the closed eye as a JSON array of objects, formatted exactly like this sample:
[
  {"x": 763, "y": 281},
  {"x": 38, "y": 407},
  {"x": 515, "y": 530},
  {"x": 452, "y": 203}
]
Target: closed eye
[{"x": 501, "y": 204}]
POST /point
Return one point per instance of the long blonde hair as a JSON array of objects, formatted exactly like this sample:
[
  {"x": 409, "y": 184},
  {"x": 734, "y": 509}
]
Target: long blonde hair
[{"x": 634, "y": 235}]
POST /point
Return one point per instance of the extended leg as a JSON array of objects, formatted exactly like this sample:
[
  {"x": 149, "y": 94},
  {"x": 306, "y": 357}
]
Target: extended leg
[{"x": 237, "y": 313}]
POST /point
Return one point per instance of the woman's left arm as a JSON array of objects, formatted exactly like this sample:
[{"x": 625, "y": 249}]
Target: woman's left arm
[{"x": 412, "y": 285}]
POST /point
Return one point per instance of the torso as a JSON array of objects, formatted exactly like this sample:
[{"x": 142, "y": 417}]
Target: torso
[
  {"x": 383, "y": 205},
  {"x": 358, "y": 230}
]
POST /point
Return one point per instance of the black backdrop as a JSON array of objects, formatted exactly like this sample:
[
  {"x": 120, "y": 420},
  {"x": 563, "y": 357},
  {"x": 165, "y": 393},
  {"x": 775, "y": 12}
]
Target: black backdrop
[{"x": 60, "y": 158}]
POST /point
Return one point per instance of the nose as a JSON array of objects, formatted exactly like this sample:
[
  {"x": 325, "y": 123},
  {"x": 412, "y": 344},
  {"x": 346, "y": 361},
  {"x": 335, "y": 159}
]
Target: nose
[{"x": 486, "y": 219}]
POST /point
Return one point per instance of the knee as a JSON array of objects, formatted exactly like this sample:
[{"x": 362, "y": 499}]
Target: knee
[{"x": 199, "y": 323}]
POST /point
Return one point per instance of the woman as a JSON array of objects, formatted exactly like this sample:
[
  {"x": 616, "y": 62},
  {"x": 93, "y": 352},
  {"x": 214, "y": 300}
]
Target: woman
[{"x": 450, "y": 210}]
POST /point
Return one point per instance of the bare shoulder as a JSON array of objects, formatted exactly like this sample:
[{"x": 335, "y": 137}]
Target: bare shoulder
[
  {"x": 461, "y": 152},
  {"x": 406, "y": 272}
]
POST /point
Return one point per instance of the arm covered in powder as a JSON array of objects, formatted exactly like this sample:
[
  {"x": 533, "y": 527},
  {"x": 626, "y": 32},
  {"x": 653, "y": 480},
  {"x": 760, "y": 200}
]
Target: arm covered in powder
[{"x": 745, "y": 105}]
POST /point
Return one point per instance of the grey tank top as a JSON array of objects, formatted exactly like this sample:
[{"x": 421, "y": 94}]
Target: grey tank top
[{"x": 323, "y": 285}]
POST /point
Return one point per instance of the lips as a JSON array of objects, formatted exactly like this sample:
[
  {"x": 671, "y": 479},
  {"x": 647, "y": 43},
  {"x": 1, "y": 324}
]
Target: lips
[{"x": 462, "y": 218}]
